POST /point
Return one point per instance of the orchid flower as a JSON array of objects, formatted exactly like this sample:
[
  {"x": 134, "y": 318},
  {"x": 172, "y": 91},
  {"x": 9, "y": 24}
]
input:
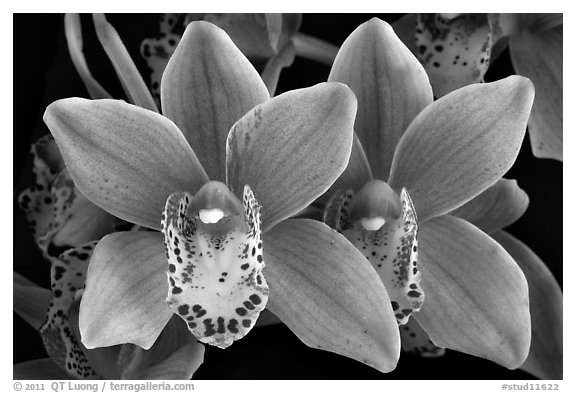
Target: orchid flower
[
  {"x": 269, "y": 41},
  {"x": 413, "y": 162},
  {"x": 217, "y": 264},
  {"x": 456, "y": 50},
  {"x": 173, "y": 355}
]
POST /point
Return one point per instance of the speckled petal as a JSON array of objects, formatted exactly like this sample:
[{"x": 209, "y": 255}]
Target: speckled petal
[
  {"x": 291, "y": 149},
  {"x": 415, "y": 340},
  {"x": 392, "y": 250},
  {"x": 456, "y": 51},
  {"x": 215, "y": 276},
  {"x": 497, "y": 207},
  {"x": 124, "y": 158},
  {"x": 67, "y": 275}
]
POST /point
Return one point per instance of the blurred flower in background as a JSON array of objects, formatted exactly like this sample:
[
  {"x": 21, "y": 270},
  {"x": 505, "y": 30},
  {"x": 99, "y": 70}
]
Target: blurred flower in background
[{"x": 457, "y": 49}]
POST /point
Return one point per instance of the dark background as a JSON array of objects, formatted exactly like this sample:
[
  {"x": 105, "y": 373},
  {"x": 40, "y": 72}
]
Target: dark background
[{"x": 44, "y": 73}]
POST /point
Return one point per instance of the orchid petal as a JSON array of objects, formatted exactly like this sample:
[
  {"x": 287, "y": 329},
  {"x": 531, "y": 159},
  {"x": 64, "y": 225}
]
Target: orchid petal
[
  {"x": 174, "y": 355},
  {"x": 455, "y": 51},
  {"x": 462, "y": 144},
  {"x": 497, "y": 207},
  {"x": 391, "y": 87},
  {"x": 357, "y": 172},
  {"x": 68, "y": 274},
  {"x": 539, "y": 57},
  {"x": 476, "y": 295},
  {"x": 157, "y": 51},
  {"x": 415, "y": 340},
  {"x": 125, "y": 159},
  {"x": 102, "y": 360},
  {"x": 73, "y": 30},
  {"x": 39, "y": 369},
  {"x": 545, "y": 356},
  {"x": 131, "y": 80},
  {"x": 291, "y": 149},
  {"x": 207, "y": 86},
  {"x": 125, "y": 296},
  {"x": 215, "y": 270},
  {"x": 30, "y": 301},
  {"x": 326, "y": 292}
]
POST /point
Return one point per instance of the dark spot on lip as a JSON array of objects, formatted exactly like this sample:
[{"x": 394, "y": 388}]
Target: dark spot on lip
[
  {"x": 183, "y": 309},
  {"x": 221, "y": 328},
  {"x": 414, "y": 294},
  {"x": 255, "y": 299},
  {"x": 241, "y": 311}
]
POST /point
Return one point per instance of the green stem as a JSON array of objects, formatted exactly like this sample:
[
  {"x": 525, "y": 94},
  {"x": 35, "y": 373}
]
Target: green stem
[{"x": 315, "y": 49}]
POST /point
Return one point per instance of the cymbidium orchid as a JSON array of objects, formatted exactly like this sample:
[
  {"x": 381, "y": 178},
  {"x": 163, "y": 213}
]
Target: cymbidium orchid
[
  {"x": 228, "y": 156},
  {"x": 456, "y": 50},
  {"x": 414, "y": 161}
]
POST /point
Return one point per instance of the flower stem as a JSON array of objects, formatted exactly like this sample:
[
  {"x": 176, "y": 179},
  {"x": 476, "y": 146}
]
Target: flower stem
[{"x": 315, "y": 49}]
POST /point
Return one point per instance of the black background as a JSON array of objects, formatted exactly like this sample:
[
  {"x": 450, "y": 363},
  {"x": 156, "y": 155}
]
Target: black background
[{"x": 44, "y": 73}]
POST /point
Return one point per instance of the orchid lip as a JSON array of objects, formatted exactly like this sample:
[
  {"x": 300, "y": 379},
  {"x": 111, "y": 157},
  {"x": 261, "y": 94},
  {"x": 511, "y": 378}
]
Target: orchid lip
[{"x": 215, "y": 263}]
